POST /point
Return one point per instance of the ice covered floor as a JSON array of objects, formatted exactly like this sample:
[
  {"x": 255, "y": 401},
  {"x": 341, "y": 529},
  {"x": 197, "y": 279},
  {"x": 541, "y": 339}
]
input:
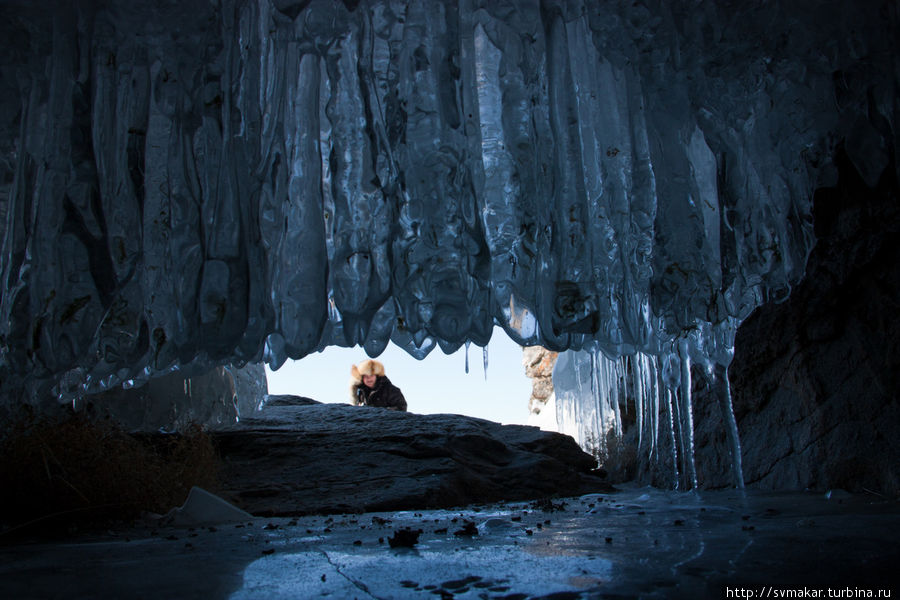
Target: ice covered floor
[{"x": 634, "y": 543}]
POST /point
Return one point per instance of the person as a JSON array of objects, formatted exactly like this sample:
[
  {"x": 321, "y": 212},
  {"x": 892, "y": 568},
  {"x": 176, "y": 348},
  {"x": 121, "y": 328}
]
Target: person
[{"x": 369, "y": 386}]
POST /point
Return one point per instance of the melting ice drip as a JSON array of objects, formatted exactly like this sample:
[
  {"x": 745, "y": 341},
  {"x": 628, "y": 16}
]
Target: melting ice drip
[{"x": 200, "y": 183}]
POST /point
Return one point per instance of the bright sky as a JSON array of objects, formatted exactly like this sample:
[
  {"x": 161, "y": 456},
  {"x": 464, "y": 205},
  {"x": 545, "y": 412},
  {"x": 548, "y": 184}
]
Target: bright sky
[{"x": 437, "y": 384}]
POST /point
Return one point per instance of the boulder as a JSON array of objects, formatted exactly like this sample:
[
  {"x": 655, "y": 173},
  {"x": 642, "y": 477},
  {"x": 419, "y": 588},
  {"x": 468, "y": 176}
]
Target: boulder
[{"x": 298, "y": 457}]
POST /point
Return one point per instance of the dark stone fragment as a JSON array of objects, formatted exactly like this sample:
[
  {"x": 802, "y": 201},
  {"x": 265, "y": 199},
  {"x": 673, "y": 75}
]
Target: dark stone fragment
[
  {"x": 404, "y": 538},
  {"x": 468, "y": 529}
]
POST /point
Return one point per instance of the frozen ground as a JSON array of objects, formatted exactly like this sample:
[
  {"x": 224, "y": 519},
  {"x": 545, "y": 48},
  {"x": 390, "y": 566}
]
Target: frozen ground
[{"x": 635, "y": 543}]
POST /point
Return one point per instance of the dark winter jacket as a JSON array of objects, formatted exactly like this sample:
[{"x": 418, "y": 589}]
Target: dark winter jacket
[{"x": 385, "y": 394}]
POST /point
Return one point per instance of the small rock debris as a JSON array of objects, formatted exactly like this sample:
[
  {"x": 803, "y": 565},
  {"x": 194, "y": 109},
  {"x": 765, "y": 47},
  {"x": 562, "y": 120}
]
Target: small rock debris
[
  {"x": 468, "y": 529},
  {"x": 404, "y": 538}
]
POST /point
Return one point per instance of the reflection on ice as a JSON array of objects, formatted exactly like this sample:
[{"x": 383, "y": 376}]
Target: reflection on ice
[{"x": 649, "y": 544}]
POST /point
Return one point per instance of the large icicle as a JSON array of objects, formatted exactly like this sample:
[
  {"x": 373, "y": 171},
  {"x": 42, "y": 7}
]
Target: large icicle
[{"x": 687, "y": 413}]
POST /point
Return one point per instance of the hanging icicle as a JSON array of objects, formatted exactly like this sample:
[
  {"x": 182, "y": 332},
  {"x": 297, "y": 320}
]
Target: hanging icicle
[
  {"x": 687, "y": 414},
  {"x": 731, "y": 429},
  {"x": 593, "y": 392}
]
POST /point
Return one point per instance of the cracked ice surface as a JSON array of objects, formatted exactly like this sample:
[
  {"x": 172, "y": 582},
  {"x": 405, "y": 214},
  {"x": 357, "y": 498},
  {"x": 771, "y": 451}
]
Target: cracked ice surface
[{"x": 186, "y": 184}]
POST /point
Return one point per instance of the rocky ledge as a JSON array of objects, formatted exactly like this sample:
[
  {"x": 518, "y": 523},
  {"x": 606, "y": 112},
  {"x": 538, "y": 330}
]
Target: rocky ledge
[{"x": 298, "y": 456}]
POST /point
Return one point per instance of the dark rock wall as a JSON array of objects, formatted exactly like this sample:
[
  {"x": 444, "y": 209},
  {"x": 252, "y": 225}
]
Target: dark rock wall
[{"x": 815, "y": 378}]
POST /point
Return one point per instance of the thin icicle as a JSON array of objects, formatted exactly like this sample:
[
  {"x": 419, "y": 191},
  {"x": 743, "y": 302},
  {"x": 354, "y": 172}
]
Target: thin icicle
[
  {"x": 731, "y": 430},
  {"x": 653, "y": 383},
  {"x": 636, "y": 374},
  {"x": 688, "y": 412},
  {"x": 616, "y": 374},
  {"x": 673, "y": 381},
  {"x": 598, "y": 413},
  {"x": 467, "y": 356},
  {"x": 671, "y": 408},
  {"x": 646, "y": 401},
  {"x": 585, "y": 413},
  {"x": 601, "y": 384},
  {"x": 602, "y": 400},
  {"x": 484, "y": 356}
]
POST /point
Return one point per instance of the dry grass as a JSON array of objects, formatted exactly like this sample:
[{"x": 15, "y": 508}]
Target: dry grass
[{"x": 74, "y": 473}]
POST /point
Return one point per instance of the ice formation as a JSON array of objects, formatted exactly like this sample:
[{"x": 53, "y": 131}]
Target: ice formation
[
  {"x": 187, "y": 184},
  {"x": 591, "y": 388}
]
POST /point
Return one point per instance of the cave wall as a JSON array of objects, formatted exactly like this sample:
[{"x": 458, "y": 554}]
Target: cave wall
[{"x": 815, "y": 378}]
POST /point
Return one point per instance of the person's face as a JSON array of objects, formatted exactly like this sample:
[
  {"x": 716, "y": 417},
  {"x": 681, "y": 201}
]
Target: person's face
[{"x": 369, "y": 380}]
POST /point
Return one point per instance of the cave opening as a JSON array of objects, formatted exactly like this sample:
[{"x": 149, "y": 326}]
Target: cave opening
[{"x": 459, "y": 383}]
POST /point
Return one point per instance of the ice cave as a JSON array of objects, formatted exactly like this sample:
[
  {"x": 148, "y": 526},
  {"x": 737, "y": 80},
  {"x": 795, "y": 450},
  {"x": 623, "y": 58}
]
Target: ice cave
[{"x": 693, "y": 205}]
